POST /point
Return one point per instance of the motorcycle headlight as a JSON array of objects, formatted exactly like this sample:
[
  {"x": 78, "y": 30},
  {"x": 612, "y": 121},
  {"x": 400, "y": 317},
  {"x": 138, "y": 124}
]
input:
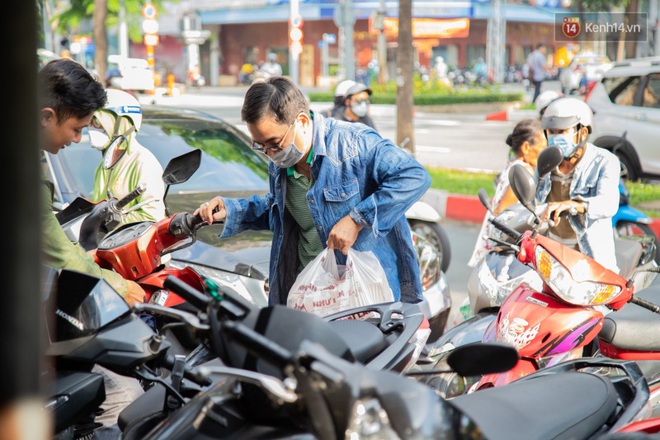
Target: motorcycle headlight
[
  {"x": 249, "y": 288},
  {"x": 369, "y": 421},
  {"x": 559, "y": 278}
]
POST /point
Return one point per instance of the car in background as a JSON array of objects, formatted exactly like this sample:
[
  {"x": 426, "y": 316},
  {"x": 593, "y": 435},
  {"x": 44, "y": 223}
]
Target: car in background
[
  {"x": 135, "y": 74},
  {"x": 229, "y": 168},
  {"x": 626, "y": 105},
  {"x": 585, "y": 67}
]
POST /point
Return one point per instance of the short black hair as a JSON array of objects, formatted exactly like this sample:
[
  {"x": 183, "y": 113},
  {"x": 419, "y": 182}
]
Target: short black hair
[
  {"x": 540, "y": 45},
  {"x": 69, "y": 89},
  {"x": 276, "y": 96}
]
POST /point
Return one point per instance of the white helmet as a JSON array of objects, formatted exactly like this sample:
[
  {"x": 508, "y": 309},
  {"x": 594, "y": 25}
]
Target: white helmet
[
  {"x": 124, "y": 104},
  {"x": 342, "y": 88},
  {"x": 545, "y": 98},
  {"x": 564, "y": 113}
]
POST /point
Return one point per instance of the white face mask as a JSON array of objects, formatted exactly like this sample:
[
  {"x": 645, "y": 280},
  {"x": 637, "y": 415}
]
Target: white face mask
[
  {"x": 98, "y": 138},
  {"x": 360, "y": 109}
]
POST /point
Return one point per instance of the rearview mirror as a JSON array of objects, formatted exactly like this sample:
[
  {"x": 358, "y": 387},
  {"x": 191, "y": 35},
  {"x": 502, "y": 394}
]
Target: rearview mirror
[
  {"x": 480, "y": 358},
  {"x": 114, "y": 152},
  {"x": 522, "y": 185},
  {"x": 548, "y": 160},
  {"x": 180, "y": 168},
  {"x": 484, "y": 199}
]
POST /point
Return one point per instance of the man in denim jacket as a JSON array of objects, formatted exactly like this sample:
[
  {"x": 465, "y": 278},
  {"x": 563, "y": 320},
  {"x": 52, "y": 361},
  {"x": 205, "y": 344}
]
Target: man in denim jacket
[
  {"x": 332, "y": 183},
  {"x": 584, "y": 185}
]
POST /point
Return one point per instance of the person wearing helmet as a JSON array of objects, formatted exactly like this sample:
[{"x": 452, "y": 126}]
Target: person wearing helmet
[
  {"x": 338, "y": 98},
  {"x": 544, "y": 99},
  {"x": 355, "y": 106},
  {"x": 584, "y": 185},
  {"x": 126, "y": 164}
]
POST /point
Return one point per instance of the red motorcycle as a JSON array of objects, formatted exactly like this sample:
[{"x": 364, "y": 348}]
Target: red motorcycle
[{"x": 563, "y": 320}]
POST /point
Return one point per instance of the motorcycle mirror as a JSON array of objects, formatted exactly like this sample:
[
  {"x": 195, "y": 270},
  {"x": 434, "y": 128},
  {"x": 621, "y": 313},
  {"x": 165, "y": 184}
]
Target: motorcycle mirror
[
  {"x": 113, "y": 152},
  {"x": 548, "y": 160},
  {"x": 522, "y": 185},
  {"x": 484, "y": 199},
  {"x": 180, "y": 168},
  {"x": 480, "y": 358}
]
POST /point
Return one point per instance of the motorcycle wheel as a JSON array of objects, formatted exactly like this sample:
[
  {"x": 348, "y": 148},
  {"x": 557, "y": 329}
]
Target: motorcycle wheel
[
  {"x": 435, "y": 234},
  {"x": 633, "y": 228}
]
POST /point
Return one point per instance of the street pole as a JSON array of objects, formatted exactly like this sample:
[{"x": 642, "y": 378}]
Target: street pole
[
  {"x": 382, "y": 45},
  {"x": 123, "y": 30},
  {"x": 405, "y": 136},
  {"x": 325, "y": 71},
  {"x": 494, "y": 45},
  {"x": 294, "y": 52},
  {"x": 349, "y": 49}
]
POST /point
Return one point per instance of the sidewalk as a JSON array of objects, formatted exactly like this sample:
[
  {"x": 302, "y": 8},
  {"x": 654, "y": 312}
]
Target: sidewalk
[{"x": 469, "y": 208}]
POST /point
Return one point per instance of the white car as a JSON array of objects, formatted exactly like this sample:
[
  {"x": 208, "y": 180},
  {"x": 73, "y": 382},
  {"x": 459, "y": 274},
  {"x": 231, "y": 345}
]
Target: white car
[
  {"x": 585, "y": 65},
  {"x": 135, "y": 73},
  {"x": 626, "y": 107}
]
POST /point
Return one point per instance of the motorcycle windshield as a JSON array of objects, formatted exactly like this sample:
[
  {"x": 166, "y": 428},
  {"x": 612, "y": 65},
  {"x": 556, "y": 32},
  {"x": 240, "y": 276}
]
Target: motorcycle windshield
[{"x": 77, "y": 305}]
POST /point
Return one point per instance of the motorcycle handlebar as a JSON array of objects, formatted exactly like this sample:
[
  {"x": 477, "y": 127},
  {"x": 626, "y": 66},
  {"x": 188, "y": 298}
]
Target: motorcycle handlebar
[
  {"x": 128, "y": 198},
  {"x": 187, "y": 292},
  {"x": 507, "y": 230}
]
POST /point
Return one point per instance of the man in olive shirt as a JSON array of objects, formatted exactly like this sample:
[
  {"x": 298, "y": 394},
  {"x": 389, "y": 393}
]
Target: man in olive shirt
[
  {"x": 68, "y": 99},
  {"x": 69, "y": 96}
]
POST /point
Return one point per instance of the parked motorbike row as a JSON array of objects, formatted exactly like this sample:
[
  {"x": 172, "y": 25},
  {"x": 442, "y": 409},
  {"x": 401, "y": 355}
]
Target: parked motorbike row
[{"x": 218, "y": 365}]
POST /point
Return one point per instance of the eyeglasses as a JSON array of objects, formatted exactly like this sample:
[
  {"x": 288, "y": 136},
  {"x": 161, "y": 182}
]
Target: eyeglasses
[
  {"x": 256, "y": 146},
  {"x": 360, "y": 101}
]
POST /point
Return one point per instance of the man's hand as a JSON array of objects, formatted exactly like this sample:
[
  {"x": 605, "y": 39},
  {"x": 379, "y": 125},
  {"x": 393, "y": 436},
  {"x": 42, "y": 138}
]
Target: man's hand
[
  {"x": 554, "y": 210},
  {"x": 213, "y": 210},
  {"x": 343, "y": 235},
  {"x": 135, "y": 293}
]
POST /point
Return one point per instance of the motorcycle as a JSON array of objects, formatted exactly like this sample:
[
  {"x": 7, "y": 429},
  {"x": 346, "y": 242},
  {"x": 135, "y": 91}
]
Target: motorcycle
[
  {"x": 558, "y": 321},
  {"x": 286, "y": 385},
  {"x": 424, "y": 220}
]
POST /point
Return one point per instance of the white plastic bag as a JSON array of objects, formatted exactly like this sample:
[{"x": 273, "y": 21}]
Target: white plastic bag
[{"x": 324, "y": 287}]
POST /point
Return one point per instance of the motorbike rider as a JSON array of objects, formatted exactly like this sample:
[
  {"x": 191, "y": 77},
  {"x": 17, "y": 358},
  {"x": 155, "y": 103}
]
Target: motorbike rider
[
  {"x": 338, "y": 98},
  {"x": 526, "y": 141},
  {"x": 69, "y": 96},
  {"x": 584, "y": 185},
  {"x": 355, "y": 106},
  {"x": 127, "y": 164},
  {"x": 332, "y": 185}
]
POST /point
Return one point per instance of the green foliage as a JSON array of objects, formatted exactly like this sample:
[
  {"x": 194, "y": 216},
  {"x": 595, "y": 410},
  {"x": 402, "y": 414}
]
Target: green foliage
[
  {"x": 429, "y": 98},
  {"x": 80, "y": 10}
]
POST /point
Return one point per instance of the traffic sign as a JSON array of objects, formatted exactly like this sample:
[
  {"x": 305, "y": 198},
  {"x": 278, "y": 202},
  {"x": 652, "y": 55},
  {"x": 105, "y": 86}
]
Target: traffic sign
[
  {"x": 330, "y": 38},
  {"x": 149, "y": 11},
  {"x": 296, "y": 21},
  {"x": 150, "y": 26}
]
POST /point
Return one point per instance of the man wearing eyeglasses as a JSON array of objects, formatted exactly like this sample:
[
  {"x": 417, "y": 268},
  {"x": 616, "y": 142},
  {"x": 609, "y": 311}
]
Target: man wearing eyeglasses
[
  {"x": 355, "y": 106},
  {"x": 332, "y": 184}
]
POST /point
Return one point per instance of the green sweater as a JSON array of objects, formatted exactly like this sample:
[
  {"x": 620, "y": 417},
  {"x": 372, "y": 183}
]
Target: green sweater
[{"x": 60, "y": 253}]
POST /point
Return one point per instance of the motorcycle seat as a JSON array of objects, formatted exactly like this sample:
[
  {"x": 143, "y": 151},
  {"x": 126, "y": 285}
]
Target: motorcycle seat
[
  {"x": 633, "y": 327},
  {"x": 365, "y": 340},
  {"x": 512, "y": 411}
]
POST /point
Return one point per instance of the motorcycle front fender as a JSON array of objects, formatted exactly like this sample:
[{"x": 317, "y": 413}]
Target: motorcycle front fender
[
  {"x": 629, "y": 214},
  {"x": 424, "y": 212}
]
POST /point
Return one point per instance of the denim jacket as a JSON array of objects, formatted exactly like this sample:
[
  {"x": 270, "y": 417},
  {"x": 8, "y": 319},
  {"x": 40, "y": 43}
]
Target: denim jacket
[
  {"x": 355, "y": 172},
  {"x": 596, "y": 182}
]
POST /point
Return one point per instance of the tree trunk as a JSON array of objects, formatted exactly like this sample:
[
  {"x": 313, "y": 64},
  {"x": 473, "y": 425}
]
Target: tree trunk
[
  {"x": 631, "y": 13},
  {"x": 100, "y": 38},
  {"x": 404, "y": 92}
]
